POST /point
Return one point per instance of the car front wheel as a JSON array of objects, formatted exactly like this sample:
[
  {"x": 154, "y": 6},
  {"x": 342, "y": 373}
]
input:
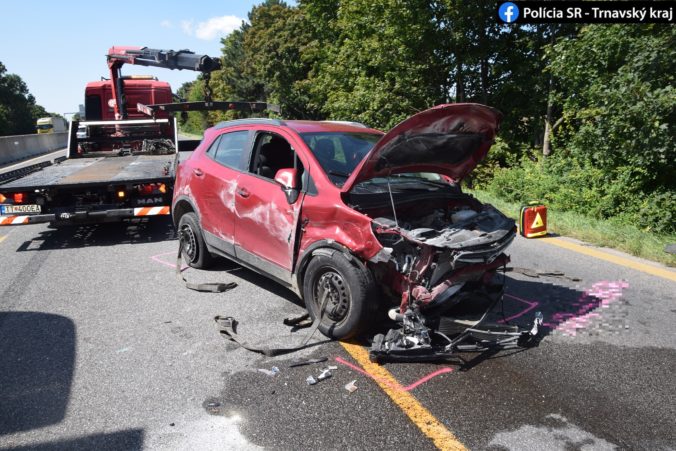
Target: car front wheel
[
  {"x": 344, "y": 289},
  {"x": 193, "y": 248}
]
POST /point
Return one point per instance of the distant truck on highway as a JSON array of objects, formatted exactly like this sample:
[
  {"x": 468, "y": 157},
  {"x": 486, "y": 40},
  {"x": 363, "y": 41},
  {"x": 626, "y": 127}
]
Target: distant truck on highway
[
  {"x": 51, "y": 125},
  {"x": 120, "y": 160}
]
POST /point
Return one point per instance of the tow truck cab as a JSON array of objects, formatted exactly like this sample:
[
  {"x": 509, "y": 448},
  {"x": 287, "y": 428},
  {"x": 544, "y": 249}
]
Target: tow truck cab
[{"x": 99, "y": 99}]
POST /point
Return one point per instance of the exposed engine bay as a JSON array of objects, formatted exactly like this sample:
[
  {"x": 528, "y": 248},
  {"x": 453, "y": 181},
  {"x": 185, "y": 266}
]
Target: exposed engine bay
[{"x": 441, "y": 254}]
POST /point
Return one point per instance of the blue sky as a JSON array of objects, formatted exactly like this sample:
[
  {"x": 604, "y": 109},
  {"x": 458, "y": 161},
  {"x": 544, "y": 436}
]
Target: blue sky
[{"x": 56, "y": 47}]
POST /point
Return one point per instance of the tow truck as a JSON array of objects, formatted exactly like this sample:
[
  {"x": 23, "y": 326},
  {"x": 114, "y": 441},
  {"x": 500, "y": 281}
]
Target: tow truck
[{"x": 121, "y": 160}]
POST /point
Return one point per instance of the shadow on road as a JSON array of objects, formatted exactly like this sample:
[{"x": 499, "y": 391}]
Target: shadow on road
[
  {"x": 265, "y": 283},
  {"x": 76, "y": 236},
  {"x": 37, "y": 356},
  {"x": 131, "y": 439}
]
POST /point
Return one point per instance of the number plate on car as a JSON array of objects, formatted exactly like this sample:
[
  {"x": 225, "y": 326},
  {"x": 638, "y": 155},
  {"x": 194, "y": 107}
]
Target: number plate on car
[{"x": 22, "y": 209}]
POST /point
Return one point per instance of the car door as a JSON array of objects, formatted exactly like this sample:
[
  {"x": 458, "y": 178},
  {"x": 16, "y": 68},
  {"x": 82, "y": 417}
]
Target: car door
[
  {"x": 220, "y": 170},
  {"x": 266, "y": 223}
]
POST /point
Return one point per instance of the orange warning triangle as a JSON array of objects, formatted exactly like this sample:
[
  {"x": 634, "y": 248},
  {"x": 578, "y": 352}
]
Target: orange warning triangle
[{"x": 538, "y": 222}]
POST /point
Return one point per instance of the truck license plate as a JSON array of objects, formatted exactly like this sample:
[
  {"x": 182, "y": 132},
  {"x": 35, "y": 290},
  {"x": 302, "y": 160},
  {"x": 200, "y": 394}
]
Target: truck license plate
[{"x": 14, "y": 209}]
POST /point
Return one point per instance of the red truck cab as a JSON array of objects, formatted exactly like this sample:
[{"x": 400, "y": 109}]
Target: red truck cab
[{"x": 99, "y": 100}]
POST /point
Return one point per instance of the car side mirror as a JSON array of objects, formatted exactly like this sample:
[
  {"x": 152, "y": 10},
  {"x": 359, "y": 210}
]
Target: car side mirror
[{"x": 288, "y": 180}]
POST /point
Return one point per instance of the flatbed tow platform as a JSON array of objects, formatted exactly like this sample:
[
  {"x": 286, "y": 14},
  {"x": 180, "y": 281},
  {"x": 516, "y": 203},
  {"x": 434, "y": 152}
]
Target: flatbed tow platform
[{"x": 97, "y": 171}]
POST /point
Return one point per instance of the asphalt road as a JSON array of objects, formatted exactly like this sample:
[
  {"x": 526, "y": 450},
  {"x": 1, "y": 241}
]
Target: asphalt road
[
  {"x": 101, "y": 347},
  {"x": 51, "y": 156}
]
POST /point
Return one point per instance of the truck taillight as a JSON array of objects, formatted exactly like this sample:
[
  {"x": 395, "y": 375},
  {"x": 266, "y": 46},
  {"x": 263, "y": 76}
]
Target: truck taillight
[
  {"x": 18, "y": 198},
  {"x": 152, "y": 188},
  {"x": 2, "y": 199}
]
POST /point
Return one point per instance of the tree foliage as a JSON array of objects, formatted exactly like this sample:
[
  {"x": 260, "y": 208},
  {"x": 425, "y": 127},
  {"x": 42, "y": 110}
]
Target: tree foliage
[
  {"x": 618, "y": 99},
  {"x": 18, "y": 110},
  {"x": 603, "y": 93}
]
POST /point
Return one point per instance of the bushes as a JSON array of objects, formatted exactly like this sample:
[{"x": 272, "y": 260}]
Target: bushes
[{"x": 571, "y": 185}]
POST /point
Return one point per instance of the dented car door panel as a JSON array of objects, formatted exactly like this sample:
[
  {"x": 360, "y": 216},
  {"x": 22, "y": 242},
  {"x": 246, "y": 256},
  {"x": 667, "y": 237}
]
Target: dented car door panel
[
  {"x": 221, "y": 164},
  {"x": 266, "y": 223}
]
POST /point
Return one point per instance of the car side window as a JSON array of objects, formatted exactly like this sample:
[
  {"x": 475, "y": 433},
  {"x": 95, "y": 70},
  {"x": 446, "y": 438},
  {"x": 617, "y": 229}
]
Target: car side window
[
  {"x": 211, "y": 151},
  {"x": 272, "y": 153},
  {"x": 230, "y": 148}
]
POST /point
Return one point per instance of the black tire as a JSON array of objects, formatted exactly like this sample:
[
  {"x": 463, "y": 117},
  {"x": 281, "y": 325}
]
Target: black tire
[
  {"x": 193, "y": 248},
  {"x": 351, "y": 291}
]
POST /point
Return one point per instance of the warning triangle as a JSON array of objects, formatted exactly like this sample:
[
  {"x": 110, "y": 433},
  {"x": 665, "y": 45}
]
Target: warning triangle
[{"x": 538, "y": 222}]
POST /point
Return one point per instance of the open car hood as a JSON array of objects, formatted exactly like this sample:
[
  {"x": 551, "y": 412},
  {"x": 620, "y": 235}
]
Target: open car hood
[{"x": 448, "y": 139}]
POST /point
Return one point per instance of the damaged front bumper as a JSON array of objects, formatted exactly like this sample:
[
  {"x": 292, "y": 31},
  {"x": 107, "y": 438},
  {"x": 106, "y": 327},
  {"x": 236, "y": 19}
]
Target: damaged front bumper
[{"x": 420, "y": 339}]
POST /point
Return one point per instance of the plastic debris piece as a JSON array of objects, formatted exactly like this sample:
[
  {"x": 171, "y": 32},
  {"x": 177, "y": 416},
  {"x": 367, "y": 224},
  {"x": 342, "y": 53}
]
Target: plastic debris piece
[
  {"x": 311, "y": 380},
  {"x": 271, "y": 372},
  {"x": 332, "y": 367},
  {"x": 351, "y": 386},
  {"x": 324, "y": 375}
]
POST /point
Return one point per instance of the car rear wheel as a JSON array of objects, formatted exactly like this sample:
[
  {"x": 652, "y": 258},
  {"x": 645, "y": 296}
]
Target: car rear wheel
[
  {"x": 193, "y": 248},
  {"x": 345, "y": 289}
]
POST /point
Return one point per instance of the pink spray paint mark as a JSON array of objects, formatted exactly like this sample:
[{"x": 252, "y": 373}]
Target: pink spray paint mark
[
  {"x": 391, "y": 384},
  {"x": 601, "y": 295},
  {"x": 156, "y": 258}
]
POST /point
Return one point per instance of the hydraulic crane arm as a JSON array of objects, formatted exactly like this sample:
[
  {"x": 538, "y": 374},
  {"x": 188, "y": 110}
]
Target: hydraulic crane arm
[{"x": 143, "y": 56}]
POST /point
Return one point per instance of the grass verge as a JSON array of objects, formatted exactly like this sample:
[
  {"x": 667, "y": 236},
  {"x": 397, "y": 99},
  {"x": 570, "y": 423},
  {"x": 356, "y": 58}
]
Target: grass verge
[{"x": 606, "y": 233}]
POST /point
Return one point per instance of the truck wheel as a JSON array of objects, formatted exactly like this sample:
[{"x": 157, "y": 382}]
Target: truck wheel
[
  {"x": 349, "y": 290},
  {"x": 194, "y": 249}
]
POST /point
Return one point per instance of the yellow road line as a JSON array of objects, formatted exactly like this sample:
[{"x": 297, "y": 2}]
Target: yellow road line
[
  {"x": 654, "y": 270},
  {"x": 428, "y": 424}
]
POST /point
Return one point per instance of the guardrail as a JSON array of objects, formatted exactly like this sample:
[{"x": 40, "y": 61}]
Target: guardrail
[{"x": 23, "y": 147}]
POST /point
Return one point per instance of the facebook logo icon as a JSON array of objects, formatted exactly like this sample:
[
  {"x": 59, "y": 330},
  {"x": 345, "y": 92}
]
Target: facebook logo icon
[{"x": 508, "y": 12}]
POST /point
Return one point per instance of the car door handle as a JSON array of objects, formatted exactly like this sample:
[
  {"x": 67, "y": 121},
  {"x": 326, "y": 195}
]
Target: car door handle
[
  {"x": 243, "y": 192},
  {"x": 198, "y": 172}
]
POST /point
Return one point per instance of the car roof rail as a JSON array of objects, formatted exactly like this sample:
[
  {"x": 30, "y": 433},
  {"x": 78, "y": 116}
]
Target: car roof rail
[
  {"x": 353, "y": 123},
  {"x": 250, "y": 121}
]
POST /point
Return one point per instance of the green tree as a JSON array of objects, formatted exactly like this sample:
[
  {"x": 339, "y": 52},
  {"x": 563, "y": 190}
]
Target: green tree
[
  {"x": 381, "y": 65},
  {"x": 18, "y": 111},
  {"x": 276, "y": 49},
  {"x": 618, "y": 99}
]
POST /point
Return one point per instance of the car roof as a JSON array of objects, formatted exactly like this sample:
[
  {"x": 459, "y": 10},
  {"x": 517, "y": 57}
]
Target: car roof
[
  {"x": 329, "y": 126},
  {"x": 303, "y": 126}
]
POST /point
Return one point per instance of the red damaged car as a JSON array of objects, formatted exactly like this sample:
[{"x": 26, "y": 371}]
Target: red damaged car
[{"x": 350, "y": 218}]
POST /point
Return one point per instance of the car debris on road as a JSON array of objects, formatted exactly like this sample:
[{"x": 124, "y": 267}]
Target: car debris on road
[{"x": 271, "y": 372}]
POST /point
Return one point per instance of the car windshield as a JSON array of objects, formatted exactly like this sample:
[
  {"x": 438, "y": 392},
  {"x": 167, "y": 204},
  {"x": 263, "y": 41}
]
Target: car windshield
[
  {"x": 339, "y": 152},
  {"x": 404, "y": 182}
]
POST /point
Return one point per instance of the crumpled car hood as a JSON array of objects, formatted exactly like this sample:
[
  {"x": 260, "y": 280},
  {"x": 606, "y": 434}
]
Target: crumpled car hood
[{"x": 449, "y": 139}]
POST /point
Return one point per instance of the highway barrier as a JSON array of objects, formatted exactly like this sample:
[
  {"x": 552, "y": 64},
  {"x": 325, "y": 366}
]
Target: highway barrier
[{"x": 23, "y": 147}]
